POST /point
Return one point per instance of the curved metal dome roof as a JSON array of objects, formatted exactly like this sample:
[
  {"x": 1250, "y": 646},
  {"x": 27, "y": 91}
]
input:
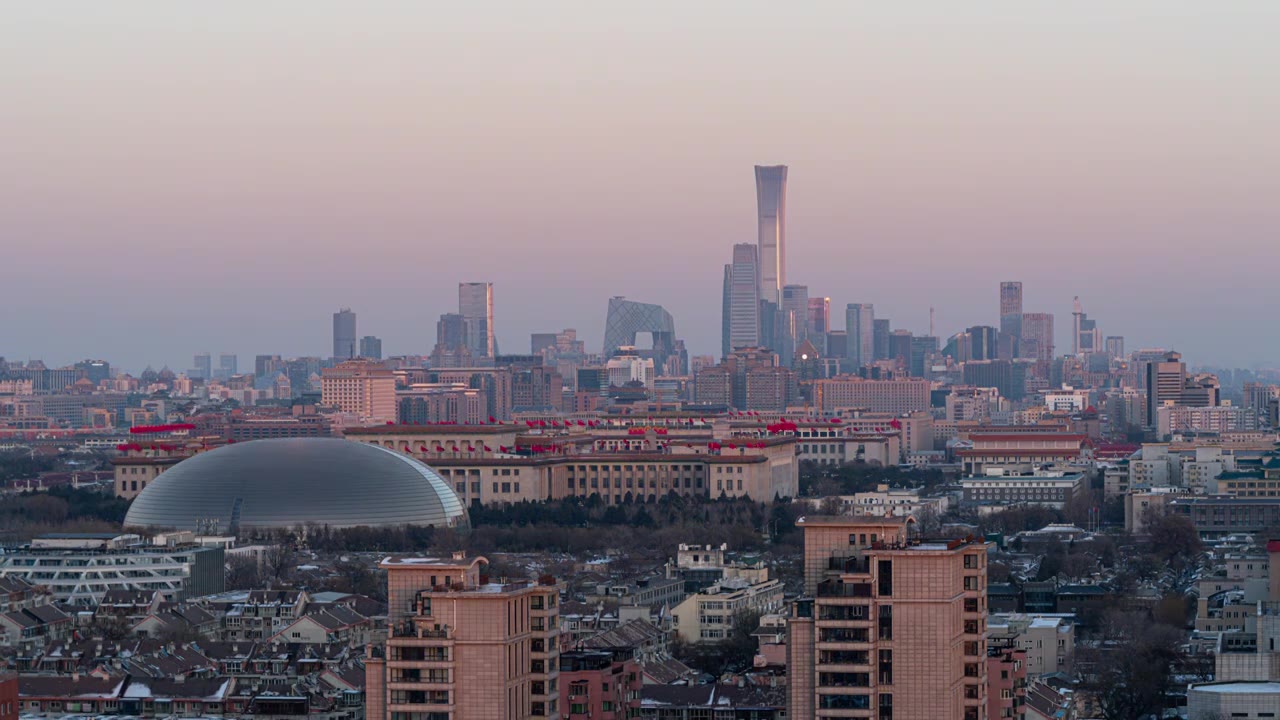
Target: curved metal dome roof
[{"x": 296, "y": 481}]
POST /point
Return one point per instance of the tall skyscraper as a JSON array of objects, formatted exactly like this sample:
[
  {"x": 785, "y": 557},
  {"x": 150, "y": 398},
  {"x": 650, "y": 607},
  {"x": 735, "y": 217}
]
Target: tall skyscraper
[
  {"x": 202, "y": 366},
  {"x": 344, "y": 334},
  {"x": 795, "y": 305},
  {"x": 451, "y": 332},
  {"x": 983, "y": 343},
  {"x": 1085, "y": 337},
  {"x": 880, "y": 340},
  {"x": 771, "y": 203},
  {"x": 860, "y": 329},
  {"x": 923, "y": 349},
  {"x": 1166, "y": 377},
  {"x": 1011, "y": 311},
  {"x": 371, "y": 347},
  {"x": 1037, "y": 341},
  {"x": 1115, "y": 346},
  {"x": 227, "y": 365},
  {"x": 889, "y": 625},
  {"x": 819, "y": 315},
  {"x": 741, "y": 300},
  {"x": 475, "y": 305},
  {"x": 267, "y": 365}
]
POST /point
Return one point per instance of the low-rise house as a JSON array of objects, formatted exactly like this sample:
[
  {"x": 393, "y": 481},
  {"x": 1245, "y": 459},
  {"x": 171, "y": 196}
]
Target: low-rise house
[
  {"x": 328, "y": 624},
  {"x": 694, "y": 702},
  {"x": 1048, "y": 640},
  {"x": 708, "y": 616},
  {"x": 33, "y": 627}
]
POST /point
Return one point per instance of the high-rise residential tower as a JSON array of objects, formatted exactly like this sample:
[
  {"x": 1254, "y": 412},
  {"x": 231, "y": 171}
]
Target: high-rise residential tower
[
  {"x": 1011, "y": 312},
  {"x": 860, "y": 328},
  {"x": 741, "y": 300},
  {"x": 475, "y": 305},
  {"x": 771, "y": 202},
  {"x": 344, "y": 334},
  {"x": 461, "y": 646},
  {"x": 890, "y": 625}
]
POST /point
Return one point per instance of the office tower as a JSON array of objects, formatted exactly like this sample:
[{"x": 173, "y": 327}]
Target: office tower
[
  {"x": 95, "y": 371},
  {"x": 1085, "y": 336},
  {"x": 741, "y": 321},
  {"x": 771, "y": 202},
  {"x": 890, "y": 625},
  {"x": 626, "y": 318},
  {"x": 983, "y": 343},
  {"x": 838, "y": 345},
  {"x": 880, "y": 339},
  {"x": 364, "y": 388},
  {"x": 227, "y": 365},
  {"x": 344, "y": 334},
  {"x": 371, "y": 347},
  {"x": 451, "y": 332},
  {"x": 819, "y": 315},
  {"x": 1011, "y": 314},
  {"x": 795, "y": 311},
  {"x": 1037, "y": 338},
  {"x": 475, "y": 305},
  {"x": 923, "y": 350},
  {"x": 539, "y": 342},
  {"x": 267, "y": 365},
  {"x": 900, "y": 348},
  {"x": 1115, "y": 346},
  {"x": 1166, "y": 377},
  {"x": 464, "y": 648},
  {"x": 202, "y": 366},
  {"x": 860, "y": 334}
]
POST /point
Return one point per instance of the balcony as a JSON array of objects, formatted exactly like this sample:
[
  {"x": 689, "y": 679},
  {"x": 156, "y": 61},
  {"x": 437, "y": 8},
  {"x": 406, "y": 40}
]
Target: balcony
[
  {"x": 837, "y": 589},
  {"x": 850, "y": 565},
  {"x": 859, "y": 613}
]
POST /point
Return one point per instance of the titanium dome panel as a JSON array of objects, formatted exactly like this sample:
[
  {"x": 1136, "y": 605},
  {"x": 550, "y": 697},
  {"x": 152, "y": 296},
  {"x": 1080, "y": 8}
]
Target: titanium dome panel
[{"x": 296, "y": 481}]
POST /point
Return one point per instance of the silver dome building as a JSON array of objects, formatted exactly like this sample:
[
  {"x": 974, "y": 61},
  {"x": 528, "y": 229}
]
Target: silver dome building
[{"x": 291, "y": 482}]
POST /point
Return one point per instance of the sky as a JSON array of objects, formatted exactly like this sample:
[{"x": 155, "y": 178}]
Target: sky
[{"x": 186, "y": 177}]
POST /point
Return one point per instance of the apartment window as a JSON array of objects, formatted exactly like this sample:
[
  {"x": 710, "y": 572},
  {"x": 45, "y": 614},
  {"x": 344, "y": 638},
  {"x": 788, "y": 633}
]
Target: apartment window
[
  {"x": 495, "y": 487},
  {"x": 885, "y": 622},
  {"x": 884, "y": 580}
]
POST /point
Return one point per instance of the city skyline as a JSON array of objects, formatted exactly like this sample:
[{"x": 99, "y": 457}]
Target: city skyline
[{"x": 1122, "y": 164}]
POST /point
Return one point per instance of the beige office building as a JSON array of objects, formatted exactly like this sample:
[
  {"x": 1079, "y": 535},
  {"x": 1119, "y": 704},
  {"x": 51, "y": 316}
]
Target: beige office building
[{"x": 362, "y": 387}]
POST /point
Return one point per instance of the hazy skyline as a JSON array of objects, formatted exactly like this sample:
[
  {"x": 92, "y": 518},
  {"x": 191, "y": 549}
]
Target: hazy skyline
[{"x": 182, "y": 177}]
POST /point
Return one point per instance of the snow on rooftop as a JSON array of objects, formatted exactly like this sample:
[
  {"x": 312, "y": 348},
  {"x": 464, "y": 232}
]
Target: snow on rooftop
[{"x": 1271, "y": 688}]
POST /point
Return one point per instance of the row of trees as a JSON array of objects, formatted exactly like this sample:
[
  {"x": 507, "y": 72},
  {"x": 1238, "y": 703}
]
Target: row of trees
[{"x": 60, "y": 509}]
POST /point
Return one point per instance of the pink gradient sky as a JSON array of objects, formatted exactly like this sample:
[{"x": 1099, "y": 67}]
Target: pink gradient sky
[{"x": 179, "y": 177}]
